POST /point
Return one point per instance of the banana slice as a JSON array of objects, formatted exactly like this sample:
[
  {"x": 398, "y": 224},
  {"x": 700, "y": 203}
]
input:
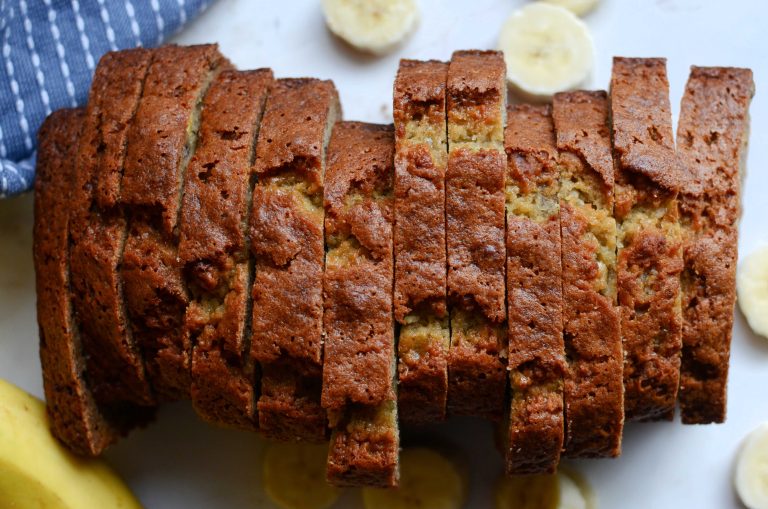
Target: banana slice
[
  {"x": 751, "y": 478},
  {"x": 565, "y": 490},
  {"x": 752, "y": 288},
  {"x": 547, "y": 50},
  {"x": 578, "y": 7},
  {"x": 375, "y": 26},
  {"x": 294, "y": 476},
  {"x": 428, "y": 480},
  {"x": 36, "y": 471}
]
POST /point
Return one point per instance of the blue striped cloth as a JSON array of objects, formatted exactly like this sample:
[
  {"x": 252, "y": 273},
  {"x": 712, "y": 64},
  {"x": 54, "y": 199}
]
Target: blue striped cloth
[{"x": 49, "y": 51}]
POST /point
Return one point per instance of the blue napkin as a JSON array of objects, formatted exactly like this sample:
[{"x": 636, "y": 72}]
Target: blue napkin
[{"x": 49, "y": 51}]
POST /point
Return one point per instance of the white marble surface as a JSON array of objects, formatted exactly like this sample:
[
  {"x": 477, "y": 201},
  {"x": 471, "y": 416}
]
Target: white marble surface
[{"x": 179, "y": 462}]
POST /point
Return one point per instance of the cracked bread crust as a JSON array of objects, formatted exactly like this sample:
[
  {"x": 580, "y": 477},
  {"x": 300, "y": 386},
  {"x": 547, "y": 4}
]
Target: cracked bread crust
[
  {"x": 214, "y": 252},
  {"x": 594, "y": 384},
  {"x": 419, "y": 240},
  {"x": 75, "y": 417},
  {"x": 286, "y": 232},
  {"x": 712, "y": 137},
  {"x": 474, "y": 188},
  {"x": 161, "y": 140},
  {"x": 115, "y": 367},
  {"x": 359, "y": 359},
  {"x": 649, "y": 259},
  {"x": 534, "y": 293}
]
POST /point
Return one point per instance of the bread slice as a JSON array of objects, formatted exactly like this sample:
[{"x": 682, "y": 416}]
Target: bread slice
[
  {"x": 474, "y": 206},
  {"x": 75, "y": 417},
  {"x": 286, "y": 232},
  {"x": 712, "y": 136},
  {"x": 213, "y": 247},
  {"x": 161, "y": 140},
  {"x": 360, "y": 355},
  {"x": 115, "y": 366},
  {"x": 420, "y": 259},
  {"x": 649, "y": 257},
  {"x": 534, "y": 434},
  {"x": 594, "y": 385}
]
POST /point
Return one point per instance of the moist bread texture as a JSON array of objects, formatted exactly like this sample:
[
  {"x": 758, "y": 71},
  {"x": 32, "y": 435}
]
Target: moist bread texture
[
  {"x": 534, "y": 433},
  {"x": 649, "y": 259},
  {"x": 712, "y": 136},
  {"x": 286, "y": 232},
  {"x": 161, "y": 140},
  {"x": 358, "y": 324},
  {"x": 474, "y": 204},
  {"x": 594, "y": 385},
  {"x": 213, "y": 248},
  {"x": 97, "y": 237},
  {"x": 419, "y": 240}
]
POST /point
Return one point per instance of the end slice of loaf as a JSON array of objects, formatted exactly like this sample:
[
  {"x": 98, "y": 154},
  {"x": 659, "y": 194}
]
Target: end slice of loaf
[
  {"x": 474, "y": 206},
  {"x": 534, "y": 433},
  {"x": 419, "y": 240},
  {"x": 358, "y": 324},
  {"x": 115, "y": 366},
  {"x": 594, "y": 386},
  {"x": 649, "y": 254},
  {"x": 76, "y": 418},
  {"x": 161, "y": 140},
  {"x": 213, "y": 248},
  {"x": 286, "y": 232},
  {"x": 712, "y": 136}
]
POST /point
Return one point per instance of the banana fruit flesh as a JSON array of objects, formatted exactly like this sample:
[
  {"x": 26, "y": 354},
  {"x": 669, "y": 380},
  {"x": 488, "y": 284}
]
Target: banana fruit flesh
[
  {"x": 374, "y": 26},
  {"x": 578, "y": 7},
  {"x": 547, "y": 50},
  {"x": 566, "y": 489},
  {"x": 428, "y": 480},
  {"x": 751, "y": 476},
  {"x": 294, "y": 476},
  {"x": 752, "y": 289},
  {"x": 38, "y": 472}
]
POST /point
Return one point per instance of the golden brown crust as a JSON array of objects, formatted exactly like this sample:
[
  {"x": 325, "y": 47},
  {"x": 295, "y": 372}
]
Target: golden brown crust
[
  {"x": 594, "y": 383},
  {"x": 160, "y": 141},
  {"x": 649, "y": 260},
  {"x": 534, "y": 293},
  {"x": 115, "y": 366},
  {"x": 474, "y": 188},
  {"x": 712, "y": 136},
  {"x": 419, "y": 236},
  {"x": 213, "y": 250},
  {"x": 286, "y": 232},
  {"x": 75, "y": 417}
]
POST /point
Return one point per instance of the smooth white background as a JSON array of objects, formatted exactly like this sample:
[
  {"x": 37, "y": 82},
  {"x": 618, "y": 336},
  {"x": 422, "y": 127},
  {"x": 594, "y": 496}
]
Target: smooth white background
[{"x": 181, "y": 463}]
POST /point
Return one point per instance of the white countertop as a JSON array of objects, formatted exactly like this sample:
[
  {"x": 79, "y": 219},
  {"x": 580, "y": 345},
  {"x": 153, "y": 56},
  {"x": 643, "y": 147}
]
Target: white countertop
[{"x": 180, "y": 462}]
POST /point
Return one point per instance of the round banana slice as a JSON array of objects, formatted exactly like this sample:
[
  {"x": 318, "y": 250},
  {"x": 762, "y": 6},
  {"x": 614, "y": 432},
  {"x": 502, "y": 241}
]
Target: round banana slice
[
  {"x": 751, "y": 477},
  {"x": 752, "y": 288},
  {"x": 37, "y": 471},
  {"x": 565, "y": 490},
  {"x": 375, "y": 26},
  {"x": 578, "y": 7},
  {"x": 547, "y": 50},
  {"x": 428, "y": 480},
  {"x": 294, "y": 476}
]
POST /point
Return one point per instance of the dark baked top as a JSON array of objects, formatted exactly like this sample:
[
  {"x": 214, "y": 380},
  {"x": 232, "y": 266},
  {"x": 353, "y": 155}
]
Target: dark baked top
[{"x": 357, "y": 284}]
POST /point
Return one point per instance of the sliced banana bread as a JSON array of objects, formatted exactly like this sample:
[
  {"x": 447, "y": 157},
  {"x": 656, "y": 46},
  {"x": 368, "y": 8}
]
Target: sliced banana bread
[
  {"x": 534, "y": 293},
  {"x": 712, "y": 136},
  {"x": 213, "y": 247},
  {"x": 420, "y": 259},
  {"x": 97, "y": 238},
  {"x": 286, "y": 232},
  {"x": 161, "y": 141},
  {"x": 358, "y": 325},
  {"x": 649, "y": 253},
  {"x": 594, "y": 386},
  {"x": 474, "y": 207}
]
